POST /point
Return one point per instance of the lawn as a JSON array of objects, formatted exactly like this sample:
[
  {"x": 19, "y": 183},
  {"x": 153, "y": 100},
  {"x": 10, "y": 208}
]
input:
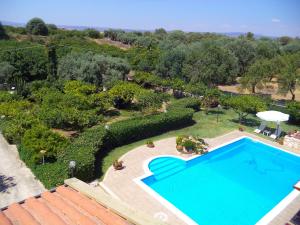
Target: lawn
[{"x": 209, "y": 125}]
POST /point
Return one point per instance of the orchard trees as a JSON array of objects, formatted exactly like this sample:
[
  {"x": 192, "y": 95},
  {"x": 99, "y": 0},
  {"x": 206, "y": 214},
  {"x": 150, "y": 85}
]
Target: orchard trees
[
  {"x": 93, "y": 68},
  {"x": 210, "y": 64},
  {"x": 289, "y": 76},
  {"x": 245, "y": 52}
]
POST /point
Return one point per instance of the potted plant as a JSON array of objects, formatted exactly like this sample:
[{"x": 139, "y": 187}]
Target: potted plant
[
  {"x": 179, "y": 146},
  {"x": 150, "y": 144},
  {"x": 189, "y": 145},
  {"x": 241, "y": 128},
  {"x": 280, "y": 141},
  {"x": 118, "y": 165}
]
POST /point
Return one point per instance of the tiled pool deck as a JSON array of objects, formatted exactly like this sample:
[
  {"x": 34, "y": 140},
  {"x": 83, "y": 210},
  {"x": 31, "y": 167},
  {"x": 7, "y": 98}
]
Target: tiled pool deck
[{"x": 121, "y": 183}]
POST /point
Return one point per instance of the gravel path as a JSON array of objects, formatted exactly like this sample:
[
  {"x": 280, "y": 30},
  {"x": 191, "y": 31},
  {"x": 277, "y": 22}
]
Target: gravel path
[{"x": 16, "y": 181}]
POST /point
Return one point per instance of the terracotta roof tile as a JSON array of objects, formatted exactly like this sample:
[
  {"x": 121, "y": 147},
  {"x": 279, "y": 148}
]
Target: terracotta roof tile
[
  {"x": 75, "y": 215},
  {"x": 65, "y": 206},
  {"x": 19, "y": 215},
  {"x": 4, "y": 220},
  {"x": 91, "y": 206}
]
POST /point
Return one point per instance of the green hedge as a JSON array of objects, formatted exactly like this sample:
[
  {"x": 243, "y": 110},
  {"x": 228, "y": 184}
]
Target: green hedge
[
  {"x": 83, "y": 150},
  {"x": 50, "y": 174},
  {"x": 97, "y": 140},
  {"x": 127, "y": 131}
]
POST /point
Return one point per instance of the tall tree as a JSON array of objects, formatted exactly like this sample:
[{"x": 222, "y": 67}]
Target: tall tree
[
  {"x": 245, "y": 52},
  {"x": 37, "y": 26},
  {"x": 30, "y": 63},
  {"x": 255, "y": 76},
  {"x": 210, "y": 64},
  {"x": 266, "y": 48},
  {"x": 96, "y": 69},
  {"x": 284, "y": 40},
  {"x": 289, "y": 76},
  {"x": 250, "y": 36},
  {"x": 170, "y": 63}
]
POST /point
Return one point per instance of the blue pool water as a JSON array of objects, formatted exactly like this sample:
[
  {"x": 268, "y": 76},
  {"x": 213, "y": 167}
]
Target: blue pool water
[{"x": 236, "y": 184}]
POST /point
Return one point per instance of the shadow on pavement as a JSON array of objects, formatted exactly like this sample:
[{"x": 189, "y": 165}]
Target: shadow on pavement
[{"x": 6, "y": 183}]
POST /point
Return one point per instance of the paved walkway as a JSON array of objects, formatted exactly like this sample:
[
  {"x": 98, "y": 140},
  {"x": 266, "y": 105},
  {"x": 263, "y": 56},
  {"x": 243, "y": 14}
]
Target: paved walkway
[
  {"x": 121, "y": 183},
  {"x": 16, "y": 181}
]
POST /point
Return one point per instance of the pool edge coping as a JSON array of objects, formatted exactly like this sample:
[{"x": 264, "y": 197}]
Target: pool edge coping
[{"x": 267, "y": 218}]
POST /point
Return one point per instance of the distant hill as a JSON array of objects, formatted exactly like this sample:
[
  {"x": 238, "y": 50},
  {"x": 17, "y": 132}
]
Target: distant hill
[{"x": 74, "y": 27}]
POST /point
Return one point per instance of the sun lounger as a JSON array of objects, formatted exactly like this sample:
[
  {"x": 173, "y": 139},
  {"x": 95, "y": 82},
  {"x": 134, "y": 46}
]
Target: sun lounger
[
  {"x": 276, "y": 134},
  {"x": 260, "y": 128}
]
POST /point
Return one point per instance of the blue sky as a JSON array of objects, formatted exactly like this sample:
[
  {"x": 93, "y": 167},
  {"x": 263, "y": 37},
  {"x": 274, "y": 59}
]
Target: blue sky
[{"x": 267, "y": 17}]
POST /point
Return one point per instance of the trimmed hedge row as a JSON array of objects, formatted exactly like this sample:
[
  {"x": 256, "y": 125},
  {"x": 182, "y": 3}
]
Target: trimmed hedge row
[
  {"x": 97, "y": 139},
  {"x": 89, "y": 143},
  {"x": 50, "y": 174},
  {"x": 83, "y": 150},
  {"x": 131, "y": 130}
]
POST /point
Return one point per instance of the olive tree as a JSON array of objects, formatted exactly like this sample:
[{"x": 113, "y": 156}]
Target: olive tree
[
  {"x": 245, "y": 52},
  {"x": 210, "y": 64},
  {"x": 289, "y": 76},
  {"x": 93, "y": 68}
]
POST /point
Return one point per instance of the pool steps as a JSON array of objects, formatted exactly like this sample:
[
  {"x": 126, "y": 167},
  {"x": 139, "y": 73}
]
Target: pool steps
[{"x": 166, "y": 167}]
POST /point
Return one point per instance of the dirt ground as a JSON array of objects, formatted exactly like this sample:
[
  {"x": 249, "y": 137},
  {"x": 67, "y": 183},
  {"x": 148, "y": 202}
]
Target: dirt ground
[
  {"x": 113, "y": 43},
  {"x": 271, "y": 89}
]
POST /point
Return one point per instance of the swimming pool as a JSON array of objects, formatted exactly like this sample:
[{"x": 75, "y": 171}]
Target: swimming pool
[{"x": 236, "y": 184}]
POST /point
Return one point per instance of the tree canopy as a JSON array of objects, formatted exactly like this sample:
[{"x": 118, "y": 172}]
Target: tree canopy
[
  {"x": 37, "y": 26},
  {"x": 93, "y": 68}
]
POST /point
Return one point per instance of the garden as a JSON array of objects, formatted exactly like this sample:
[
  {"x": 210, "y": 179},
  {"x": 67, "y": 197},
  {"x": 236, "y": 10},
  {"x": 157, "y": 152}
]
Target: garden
[{"x": 66, "y": 98}]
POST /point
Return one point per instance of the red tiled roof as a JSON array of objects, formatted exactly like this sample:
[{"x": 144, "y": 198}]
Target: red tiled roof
[{"x": 60, "y": 207}]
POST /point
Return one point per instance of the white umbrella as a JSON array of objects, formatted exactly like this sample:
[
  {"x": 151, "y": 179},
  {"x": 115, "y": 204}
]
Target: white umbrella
[{"x": 273, "y": 116}]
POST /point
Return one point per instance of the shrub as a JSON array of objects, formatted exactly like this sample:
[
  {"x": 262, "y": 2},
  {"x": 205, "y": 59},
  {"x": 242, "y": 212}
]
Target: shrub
[
  {"x": 73, "y": 109},
  {"x": 13, "y": 108},
  {"x": 83, "y": 150},
  {"x": 41, "y": 138},
  {"x": 118, "y": 165},
  {"x": 92, "y": 33},
  {"x": 192, "y": 103},
  {"x": 51, "y": 174},
  {"x": 150, "y": 144},
  {"x": 5, "y": 96},
  {"x": 148, "y": 100},
  {"x": 189, "y": 145},
  {"x": 14, "y": 129},
  {"x": 293, "y": 108},
  {"x": 123, "y": 93}
]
